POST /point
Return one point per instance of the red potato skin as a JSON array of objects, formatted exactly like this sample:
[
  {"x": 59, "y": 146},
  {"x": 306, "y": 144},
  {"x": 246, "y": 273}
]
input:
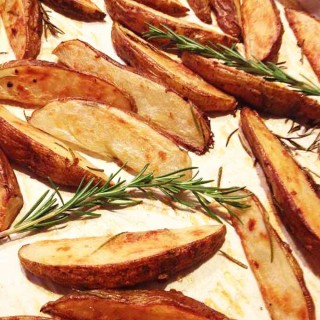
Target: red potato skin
[
  {"x": 202, "y": 10},
  {"x": 135, "y": 17},
  {"x": 160, "y": 266},
  {"x": 11, "y": 200},
  {"x": 133, "y": 301},
  {"x": 29, "y": 30},
  {"x": 265, "y": 96}
]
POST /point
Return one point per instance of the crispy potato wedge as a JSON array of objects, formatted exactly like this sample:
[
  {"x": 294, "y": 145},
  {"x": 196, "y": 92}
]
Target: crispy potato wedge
[
  {"x": 291, "y": 4},
  {"x": 202, "y": 9},
  {"x": 111, "y": 132},
  {"x": 228, "y": 16},
  {"x": 141, "y": 256},
  {"x": 160, "y": 106},
  {"x": 22, "y": 20},
  {"x": 11, "y": 200},
  {"x": 262, "y": 29},
  {"x": 42, "y": 154},
  {"x": 83, "y": 10},
  {"x": 292, "y": 189},
  {"x": 265, "y": 96},
  {"x": 305, "y": 27},
  {"x": 279, "y": 275},
  {"x": 172, "y": 7},
  {"x": 153, "y": 63},
  {"x": 35, "y": 83},
  {"x": 135, "y": 16},
  {"x": 129, "y": 305}
]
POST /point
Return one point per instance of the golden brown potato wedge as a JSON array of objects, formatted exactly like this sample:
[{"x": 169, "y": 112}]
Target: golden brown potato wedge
[
  {"x": 154, "y": 63},
  {"x": 160, "y": 106},
  {"x": 129, "y": 305},
  {"x": 111, "y": 133},
  {"x": 228, "y": 16},
  {"x": 292, "y": 189},
  {"x": 22, "y": 20},
  {"x": 24, "y": 318},
  {"x": 135, "y": 16},
  {"x": 291, "y": 4},
  {"x": 265, "y": 96},
  {"x": 262, "y": 29},
  {"x": 84, "y": 10},
  {"x": 11, "y": 200},
  {"x": 279, "y": 276},
  {"x": 42, "y": 154},
  {"x": 35, "y": 83},
  {"x": 141, "y": 256},
  {"x": 305, "y": 27},
  {"x": 172, "y": 7},
  {"x": 201, "y": 9}
]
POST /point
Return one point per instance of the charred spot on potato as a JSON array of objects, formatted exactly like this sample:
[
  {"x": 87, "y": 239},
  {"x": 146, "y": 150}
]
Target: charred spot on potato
[
  {"x": 34, "y": 80},
  {"x": 9, "y": 84},
  {"x": 251, "y": 224}
]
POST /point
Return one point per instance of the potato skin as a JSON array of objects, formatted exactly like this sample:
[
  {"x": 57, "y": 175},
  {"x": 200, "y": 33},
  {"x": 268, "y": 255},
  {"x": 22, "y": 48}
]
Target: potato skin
[
  {"x": 11, "y": 200},
  {"x": 201, "y": 9},
  {"x": 265, "y": 96},
  {"x": 23, "y": 150},
  {"x": 141, "y": 270},
  {"x": 83, "y": 10},
  {"x": 24, "y": 318},
  {"x": 294, "y": 201},
  {"x": 34, "y": 83},
  {"x": 24, "y": 29},
  {"x": 171, "y": 7},
  {"x": 136, "y": 16},
  {"x": 107, "y": 302}
]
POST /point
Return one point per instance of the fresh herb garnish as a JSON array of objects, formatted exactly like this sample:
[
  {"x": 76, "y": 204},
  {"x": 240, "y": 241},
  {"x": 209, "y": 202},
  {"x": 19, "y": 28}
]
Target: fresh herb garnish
[
  {"x": 48, "y": 212},
  {"x": 48, "y": 26},
  {"x": 233, "y": 58}
]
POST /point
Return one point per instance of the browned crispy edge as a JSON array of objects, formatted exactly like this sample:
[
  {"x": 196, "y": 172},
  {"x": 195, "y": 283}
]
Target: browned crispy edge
[
  {"x": 265, "y": 96},
  {"x": 173, "y": 8},
  {"x": 12, "y": 201},
  {"x": 202, "y": 10},
  {"x": 75, "y": 10},
  {"x": 227, "y": 17},
  {"x": 136, "y": 16},
  {"x": 25, "y": 318},
  {"x": 288, "y": 211},
  {"x": 138, "y": 297},
  {"x": 119, "y": 275}
]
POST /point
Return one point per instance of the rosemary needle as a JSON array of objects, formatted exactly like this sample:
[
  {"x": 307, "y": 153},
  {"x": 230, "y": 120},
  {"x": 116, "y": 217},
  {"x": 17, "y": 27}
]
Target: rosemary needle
[
  {"x": 48, "y": 26},
  {"x": 51, "y": 209},
  {"x": 233, "y": 58}
]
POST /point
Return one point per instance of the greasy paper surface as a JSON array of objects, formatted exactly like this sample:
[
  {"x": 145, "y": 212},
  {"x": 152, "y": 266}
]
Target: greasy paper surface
[{"x": 219, "y": 283}]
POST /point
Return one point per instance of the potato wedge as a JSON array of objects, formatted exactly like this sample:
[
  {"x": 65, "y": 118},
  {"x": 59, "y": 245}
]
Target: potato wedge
[
  {"x": 262, "y": 29},
  {"x": 305, "y": 27},
  {"x": 83, "y": 10},
  {"x": 135, "y": 16},
  {"x": 160, "y": 106},
  {"x": 11, "y": 200},
  {"x": 265, "y": 96},
  {"x": 292, "y": 189},
  {"x": 24, "y": 318},
  {"x": 228, "y": 16},
  {"x": 151, "y": 62},
  {"x": 129, "y": 305},
  {"x": 171, "y": 7},
  {"x": 141, "y": 256},
  {"x": 22, "y": 20},
  {"x": 202, "y": 10},
  {"x": 110, "y": 132},
  {"x": 35, "y": 83},
  {"x": 279, "y": 275},
  {"x": 291, "y": 4},
  {"x": 42, "y": 154}
]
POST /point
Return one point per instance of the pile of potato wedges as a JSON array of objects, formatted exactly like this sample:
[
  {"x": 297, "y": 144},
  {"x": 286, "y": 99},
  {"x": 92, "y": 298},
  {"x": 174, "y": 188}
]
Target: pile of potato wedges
[{"x": 155, "y": 109}]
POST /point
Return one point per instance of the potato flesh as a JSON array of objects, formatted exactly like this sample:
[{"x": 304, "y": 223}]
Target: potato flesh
[
  {"x": 305, "y": 27},
  {"x": 100, "y": 251},
  {"x": 280, "y": 279},
  {"x": 110, "y": 131},
  {"x": 153, "y": 63},
  {"x": 291, "y": 187},
  {"x": 262, "y": 29},
  {"x": 35, "y": 83},
  {"x": 180, "y": 119}
]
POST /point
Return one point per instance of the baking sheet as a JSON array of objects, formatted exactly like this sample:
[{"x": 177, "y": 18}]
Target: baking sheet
[{"x": 219, "y": 283}]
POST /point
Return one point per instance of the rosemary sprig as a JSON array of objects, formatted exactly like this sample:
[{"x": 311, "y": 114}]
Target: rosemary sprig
[
  {"x": 48, "y": 26},
  {"x": 233, "y": 58},
  {"x": 51, "y": 209}
]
